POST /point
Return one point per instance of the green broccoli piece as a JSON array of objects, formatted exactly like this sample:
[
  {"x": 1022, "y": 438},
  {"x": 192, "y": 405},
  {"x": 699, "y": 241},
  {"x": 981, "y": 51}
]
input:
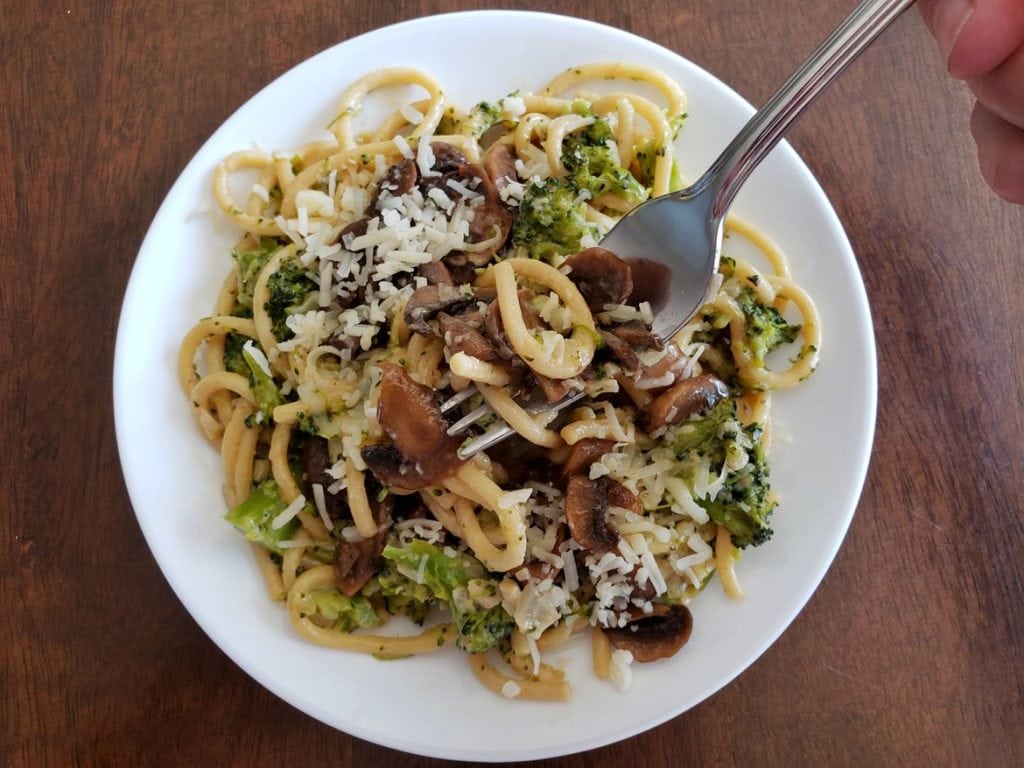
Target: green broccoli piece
[
  {"x": 480, "y": 629},
  {"x": 344, "y": 613},
  {"x": 549, "y": 222},
  {"x": 254, "y": 516},
  {"x": 704, "y": 434},
  {"x": 744, "y": 504},
  {"x": 480, "y": 119},
  {"x": 588, "y": 158},
  {"x": 646, "y": 158},
  {"x": 233, "y": 360},
  {"x": 289, "y": 288},
  {"x": 403, "y": 595},
  {"x": 250, "y": 263},
  {"x": 263, "y": 387},
  {"x": 766, "y": 328},
  {"x": 448, "y": 578}
]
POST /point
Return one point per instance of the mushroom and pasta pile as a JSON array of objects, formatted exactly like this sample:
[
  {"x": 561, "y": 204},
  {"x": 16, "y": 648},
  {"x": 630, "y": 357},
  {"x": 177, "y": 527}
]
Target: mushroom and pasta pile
[{"x": 453, "y": 257}]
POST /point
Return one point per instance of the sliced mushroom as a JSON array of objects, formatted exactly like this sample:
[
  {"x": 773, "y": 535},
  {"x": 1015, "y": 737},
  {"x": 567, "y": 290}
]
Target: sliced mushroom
[
  {"x": 586, "y": 511},
  {"x": 436, "y": 273},
  {"x": 427, "y": 302},
  {"x": 602, "y": 277},
  {"x": 681, "y": 400},
  {"x": 495, "y": 329},
  {"x": 620, "y": 496},
  {"x": 491, "y": 218},
  {"x": 399, "y": 180},
  {"x": 584, "y": 453},
  {"x": 638, "y": 336},
  {"x": 460, "y": 268},
  {"x": 409, "y": 414},
  {"x": 356, "y": 562},
  {"x": 316, "y": 460},
  {"x": 391, "y": 468},
  {"x": 553, "y": 389},
  {"x": 461, "y": 335},
  {"x": 447, "y": 157},
  {"x": 356, "y": 229},
  {"x": 624, "y": 353},
  {"x": 655, "y": 636},
  {"x": 500, "y": 164},
  {"x": 671, "y": 362}
]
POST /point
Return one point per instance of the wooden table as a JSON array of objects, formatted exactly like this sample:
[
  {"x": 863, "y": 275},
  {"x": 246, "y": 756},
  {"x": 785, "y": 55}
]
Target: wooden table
[{"x": 909, "y": 653}]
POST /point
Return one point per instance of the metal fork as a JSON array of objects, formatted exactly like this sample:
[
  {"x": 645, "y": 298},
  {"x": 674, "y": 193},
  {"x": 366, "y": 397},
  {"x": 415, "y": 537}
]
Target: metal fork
[{"x": 681, "y": 233}]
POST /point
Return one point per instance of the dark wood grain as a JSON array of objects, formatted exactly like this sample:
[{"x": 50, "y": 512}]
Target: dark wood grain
[{"x": 910, "y": 653}]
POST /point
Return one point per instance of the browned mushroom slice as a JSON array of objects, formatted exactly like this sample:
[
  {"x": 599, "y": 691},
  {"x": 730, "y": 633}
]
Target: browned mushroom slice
[
  {"x": 656, "y": 636},
  {"x": 620, "y": 496},
  {"x": 681, "y": 400},
  {"x": 391, "y": 468},
  {"x": 584, "y": 453},
  {"x": 461, "y": 335},
  {"x": 491, "y": 218},
  {"x": 602, "y": 277},
  {"x": 436, "y": 273},
  {"x": 500, "y": 164},
  {"x": 409, "y": 414},
  {"x": 316, "y": 461},
  {"x": 399, "y": 180},
  {"x": 638, "y": 336},
  {"x": 356, "y": 562},
  {"x": 355, "y": 229},
  {"x": 495, "y": 329},
  {"x": 427, "y": 302},
  {"x": 586, "y": 511},
  {"x": 671, "y": 362},
  {"x": 553, "y": 389},
  {"x": 447, "y": 157},
  {"x": 624, "y": 353}
]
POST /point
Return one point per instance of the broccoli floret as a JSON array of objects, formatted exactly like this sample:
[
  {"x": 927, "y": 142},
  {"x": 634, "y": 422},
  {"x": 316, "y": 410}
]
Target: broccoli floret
[
  {"x": 343, "y": 612},
  {"x": 549, "y": 222},
  {"x": 744, "y": 503},
  {"x": 703, "y": 434},
  {"x": 448, "y": 580},
  {"x": 480, "y": 629},
  {"x": 263, "y": 387},
  {"x": 233, "y": 360},
  {"x": 766, "y": 328},
  {"x": 289, "y": 287},
  {"x": 646, "y": 158},
  {"x": 250, "y": 263},
  {"x": 254, "y": 516},
  {"x": 588, "y": 158},
  {"x": 480, "y": 119},
  {"x": 403, "y": 595}
]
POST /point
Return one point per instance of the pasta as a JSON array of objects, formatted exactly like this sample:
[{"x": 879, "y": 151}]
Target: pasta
[{"x": 451, "y": 255}]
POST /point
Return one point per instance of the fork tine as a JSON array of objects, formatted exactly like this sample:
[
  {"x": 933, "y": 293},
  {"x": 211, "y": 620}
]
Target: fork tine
[
  {"x": 469, "y": 419},
  {"x": 458, "y": 398},
  {"x": 470, "y": 449}
]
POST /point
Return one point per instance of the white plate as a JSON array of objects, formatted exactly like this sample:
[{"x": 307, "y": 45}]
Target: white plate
[{"x": 433, "y": 705}]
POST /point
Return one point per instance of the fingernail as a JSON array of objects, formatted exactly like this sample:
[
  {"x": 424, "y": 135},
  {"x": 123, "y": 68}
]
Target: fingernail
[{"x": 951, "y": 16}]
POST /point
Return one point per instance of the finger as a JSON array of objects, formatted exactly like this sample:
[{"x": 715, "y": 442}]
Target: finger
[
  {"x": 1002, "y": 89},
  {"x": 1000, "y": 153},
  {"x": 975, "y": 36}
]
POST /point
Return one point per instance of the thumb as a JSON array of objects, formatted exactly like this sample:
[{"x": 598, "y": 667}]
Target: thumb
[{"x": 975, "y": 36}]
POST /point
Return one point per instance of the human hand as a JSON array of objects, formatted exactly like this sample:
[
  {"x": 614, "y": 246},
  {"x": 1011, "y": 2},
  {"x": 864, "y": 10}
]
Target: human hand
[{"x": 983, "y": 44}]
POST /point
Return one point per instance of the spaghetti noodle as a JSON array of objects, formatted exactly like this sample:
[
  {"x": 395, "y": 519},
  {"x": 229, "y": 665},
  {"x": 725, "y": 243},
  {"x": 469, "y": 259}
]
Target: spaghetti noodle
[{"x": 453, "y": 255}]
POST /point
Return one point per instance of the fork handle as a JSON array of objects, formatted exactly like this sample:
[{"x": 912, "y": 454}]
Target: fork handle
[{"x": 865, "y": 23}]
